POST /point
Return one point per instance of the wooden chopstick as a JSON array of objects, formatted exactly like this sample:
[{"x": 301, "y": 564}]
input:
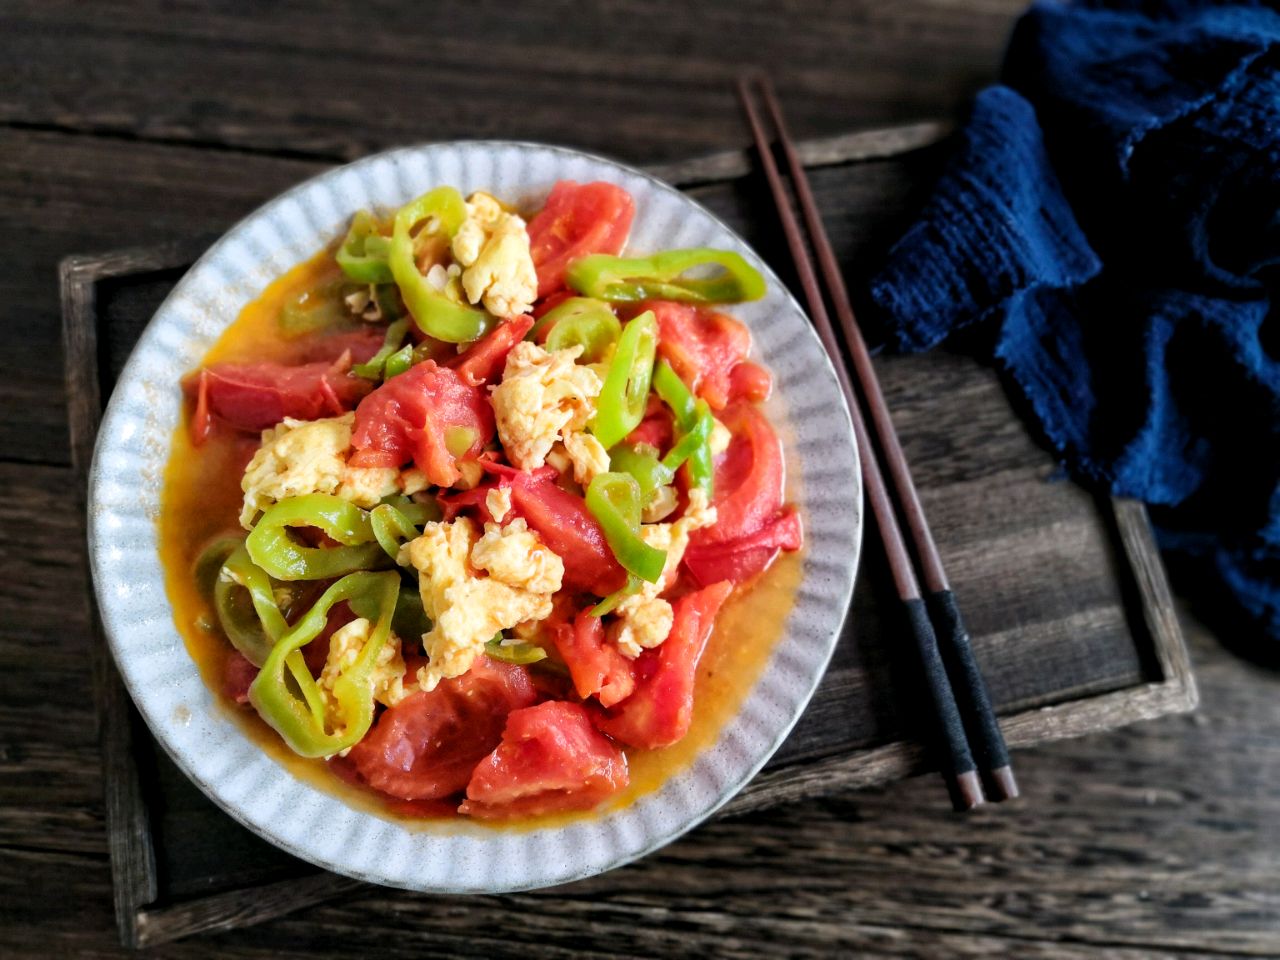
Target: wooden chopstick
[
  {"x": 959, "y": 768},
  {"x": 985, "y": 737}
]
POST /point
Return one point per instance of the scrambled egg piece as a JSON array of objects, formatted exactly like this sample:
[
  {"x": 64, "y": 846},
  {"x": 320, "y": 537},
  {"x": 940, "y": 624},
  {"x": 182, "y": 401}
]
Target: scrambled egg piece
[
  {"x": 493, "y": 247},
  {"x": 386, "y": 680},
  {"x": 644, "y": 618},
  {"x": 587, "y": 454},
  {"x": 310, "y": 456},
  {"x": 720, "y": 437},
  {"x": 663, "y": 505},
  {"x": 467, "y": 610},
  {"x": 545, "y": 397},
  {"x": 498, "y": 502}
]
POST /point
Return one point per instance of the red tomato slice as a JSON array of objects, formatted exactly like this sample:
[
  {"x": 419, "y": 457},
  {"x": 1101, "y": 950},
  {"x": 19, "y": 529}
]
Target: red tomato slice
[
  {"x": 551, "y": 759},
  {"x": 659, "y": 712},
  {"x": 484, "y": 359},
  {"x": 546, "y": 306},
  {"x": 702, "y": 346},
  {"x": 563, "y": 522},
  {"x": 578, "y": 219},
  {"x": 255, "y": 396},
  {"x": 657, "y": 428},
  {"x": 748, "y": 481},
  {"x": 597, "y": 667},
  {"x": 427, "y": 744},
  {"x": 360, "y": 344},
  {"x": 750, "y": 383},
  {"x": 237, "y": 674},
  {"x": 742, "y": 559},
  {"x": 407, "y": 418}
]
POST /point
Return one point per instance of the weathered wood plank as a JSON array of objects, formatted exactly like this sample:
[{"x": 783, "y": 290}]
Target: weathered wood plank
[{"x": 646, "y": 83}]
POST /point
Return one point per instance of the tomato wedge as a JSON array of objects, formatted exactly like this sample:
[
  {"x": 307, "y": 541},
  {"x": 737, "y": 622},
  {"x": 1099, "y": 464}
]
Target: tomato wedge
[
  {"x": 255, "y": 396},
  {"x": 237, "y": 674},
  {"x": 564, "y": 524},
  {"x": 410, "y": 417},
  {"x": 597, "y": 667},
  {"x": 702, "y": 346},
  {"x": 551, "y": 759},
  {"x": 427, "y": 745},
  {"x": 659, "y": 712},
  {"x": 360, "y": 344},
  {"x": 748, "y": 481},
  {"x": 484, "y": 360},
  {"x": 742, "y": 559},
  {"x": 578, "y": 219},
  {"x": 750, "y": 383},
  {"x": 657, "y": 429}
]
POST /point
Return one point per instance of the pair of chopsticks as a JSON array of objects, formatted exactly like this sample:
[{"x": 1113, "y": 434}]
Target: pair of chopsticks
[{"x": 970, "y": 746}]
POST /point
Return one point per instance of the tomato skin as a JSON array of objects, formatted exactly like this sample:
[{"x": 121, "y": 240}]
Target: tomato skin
[
  {"x": 578, "y": 219},
  {"x": 745, "y": 558},
  {"x": 748, "y": 478},
  {"x": 563, "y": 522},
  {"x": 702, "y": 346},
  {"x": 360, "y": 345},
  {"x": 256, "y": 396},
  {"x": 551, "y": 759},
  {"x": 657, "y": 429},
  {"x": 749, "y": 383},
  {"x": 406, "y": 419},
  {"x": 659, "y": 712},
  {"x": 597, "y": 667},
  {"x": 483, "y": 360},
  {"x": 237, "y": 674},
  {"x": 427, "y": 745}
]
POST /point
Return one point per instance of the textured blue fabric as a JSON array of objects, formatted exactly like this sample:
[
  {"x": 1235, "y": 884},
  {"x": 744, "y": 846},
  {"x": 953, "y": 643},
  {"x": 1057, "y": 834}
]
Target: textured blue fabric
[{"x": 1112, "y": 213}]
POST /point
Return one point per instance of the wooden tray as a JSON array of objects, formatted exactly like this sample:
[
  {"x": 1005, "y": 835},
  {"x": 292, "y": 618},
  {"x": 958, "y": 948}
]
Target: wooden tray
[{"x": 1064, "y": 592}]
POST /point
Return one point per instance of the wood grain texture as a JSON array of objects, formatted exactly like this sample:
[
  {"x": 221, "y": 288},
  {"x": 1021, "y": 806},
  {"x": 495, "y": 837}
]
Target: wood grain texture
[
  {"x": 127, "y": 124},
  {"x": 647, "y": 81}
]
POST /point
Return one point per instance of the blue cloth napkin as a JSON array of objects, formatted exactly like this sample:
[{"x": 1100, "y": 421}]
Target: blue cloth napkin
[{"x": 1112, "y": 214}]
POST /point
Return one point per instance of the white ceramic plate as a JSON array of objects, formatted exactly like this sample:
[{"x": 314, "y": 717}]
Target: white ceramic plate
[{"x": 133, "y": 445}]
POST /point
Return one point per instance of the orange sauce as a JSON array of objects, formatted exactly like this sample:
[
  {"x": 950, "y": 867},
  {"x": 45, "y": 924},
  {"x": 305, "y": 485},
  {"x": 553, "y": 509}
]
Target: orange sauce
[{"x": 201, "y": 501}]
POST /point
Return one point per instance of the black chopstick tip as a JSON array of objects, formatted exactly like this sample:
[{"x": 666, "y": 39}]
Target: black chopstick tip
[
  {"x": 966, "y": 791},
  {"x": 1003, "y": 785}
]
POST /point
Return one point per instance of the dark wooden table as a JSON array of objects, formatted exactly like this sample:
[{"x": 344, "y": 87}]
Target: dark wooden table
[{"x": 122, "y": 125}]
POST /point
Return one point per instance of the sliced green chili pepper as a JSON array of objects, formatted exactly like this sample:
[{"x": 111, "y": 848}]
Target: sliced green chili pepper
[
  {"x": 519, "y": 653},
  {"x": 314, "y": 310},
  {"x": 620, "y": 407},
  {"x": 661, "y": 277},
  {"x": 398, "y": 362},
  {"x": 272, "y": 549},
  {"x": 373, "y": 370},
  {"x": 391, "y": 528},
  {"x": 251, "y": 629},
  {"x": 697, "y": 435},
  {"x": 695, "y": 422},
  {"x": 209, "y": 563},
  {"x": 435, "y": 313},
  {"x": 672, "y": 391},
  {"x": 302, "y": 721},
  {"x": 642, "y": 462},
  {"x": 581, "y": 320},
  {"x": 609, "y": 603},
  {"x": 418, "y": 513},
  {"x": 363, "y": 254},
  {"x": 410, "y": 621},
  {"x": 614, "y": 500}
]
